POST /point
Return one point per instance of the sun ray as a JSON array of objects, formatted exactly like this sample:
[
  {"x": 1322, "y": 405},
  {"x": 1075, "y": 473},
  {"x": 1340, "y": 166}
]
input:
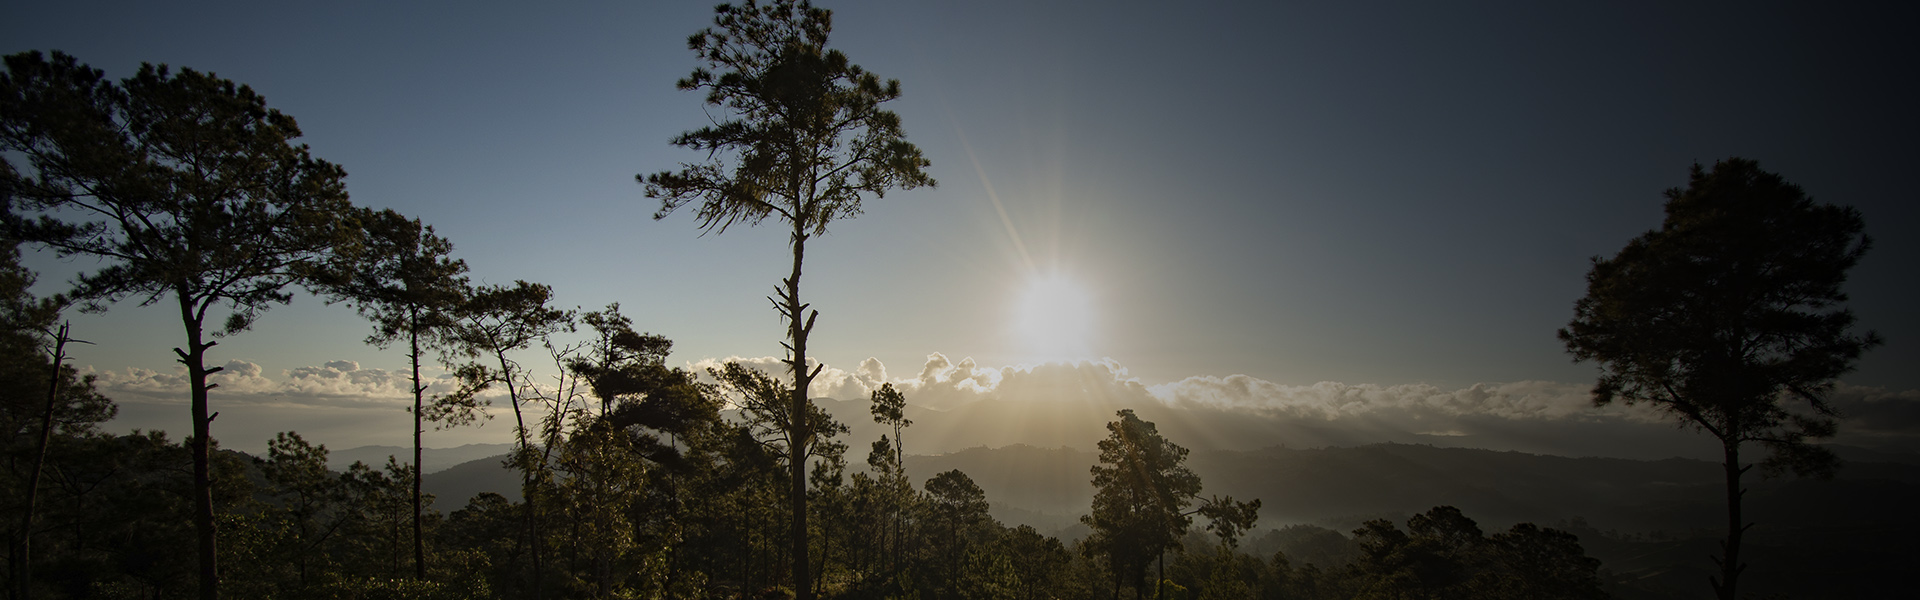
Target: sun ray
[{"x": 994, "y": 197}]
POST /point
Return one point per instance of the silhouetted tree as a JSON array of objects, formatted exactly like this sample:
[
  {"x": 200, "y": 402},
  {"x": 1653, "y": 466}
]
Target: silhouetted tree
[
  {"x": 312, "y": 499},
  {"x": 496, "y": 321},
  {"x": 956, "y": 510},
  {"x": 623, "y": 461},
  {"x": 1443, "y": 554},
  {"x": 1038, "y": 562},
  {"x": 41, "y": 398},
  {"x": 1228, "y": 519},
  {"x": 805, "y": 141},
  {"x": 187, "y": 186},
  {"x": 765, "y": 406},
  {"x": 1724, "y": 315},
  {"x": 408, "y": 284},
  {"x": 889, "y": 462},
  {"x": 1545, "y": 563},
  {"x": 1141, "y": 491}
]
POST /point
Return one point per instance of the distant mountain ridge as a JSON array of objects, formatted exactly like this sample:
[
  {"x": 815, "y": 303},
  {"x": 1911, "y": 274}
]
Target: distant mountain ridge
[
  {"x": 1340, "y": 487},
  {"x": 431, "y": 459}
]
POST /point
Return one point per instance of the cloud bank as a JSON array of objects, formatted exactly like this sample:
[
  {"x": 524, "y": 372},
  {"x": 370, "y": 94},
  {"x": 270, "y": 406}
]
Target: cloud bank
[
  {"x": 964, "y": 404},
  {"x": 340, "y": 383},
  {"x": 957, "y": 404}
]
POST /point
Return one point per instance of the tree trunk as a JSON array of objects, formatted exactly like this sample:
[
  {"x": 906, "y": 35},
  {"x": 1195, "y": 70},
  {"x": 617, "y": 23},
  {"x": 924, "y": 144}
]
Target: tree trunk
[
  {"x": 527, "y": 491},
  {"x": 25, "y": 558},
  {"x": 419, "y": 542},
  {"x": 800, "y": 436},
  {"x": 1730, "y": 565},
  {"x": 200, "y": 446},
  {"x": 899, "y": 498}
]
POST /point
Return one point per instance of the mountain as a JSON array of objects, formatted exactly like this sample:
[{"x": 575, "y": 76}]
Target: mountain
[
  {"x": 454, "y": 486},
  {"x": 431, "y": 459},
  {"x": 1047, "y": 488},
  {"x": 1342, "y": 487},
  {"x": 1339, "y": 488},
  {"x": 1077, "y": 418}
]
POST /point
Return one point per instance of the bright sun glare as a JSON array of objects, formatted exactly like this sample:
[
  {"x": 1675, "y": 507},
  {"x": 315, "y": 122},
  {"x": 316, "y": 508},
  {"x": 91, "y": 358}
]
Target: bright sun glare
[{"x": 1054, "y": 319}]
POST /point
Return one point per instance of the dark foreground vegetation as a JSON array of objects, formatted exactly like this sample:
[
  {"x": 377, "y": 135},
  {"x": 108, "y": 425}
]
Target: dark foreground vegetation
[
  {"x": 699, "y": 517},
  {"x": 191, "y": 193}
]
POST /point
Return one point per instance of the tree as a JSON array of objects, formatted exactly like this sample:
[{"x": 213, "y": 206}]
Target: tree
[
  {"x": 1443, "y": 554},
  {"x": 890, "y": 462},
  {"x": 1725, "y": 316},
  {"x": 805, "y": 141},
  {"x": 187, "y": 186},
  {"x": 1228, "y": 519},
  {"x": 956, "y": 516},
  {"x": 1141, "y": 492},
  {"x": 1039, "y": 562},
  {"x": 623, "y": 462},
  {"x": 37, "y": 389},
  {"x": 496, "y": 321},
  {"x": 408, "y": 284},
  {"x": 312, "y": 499}
]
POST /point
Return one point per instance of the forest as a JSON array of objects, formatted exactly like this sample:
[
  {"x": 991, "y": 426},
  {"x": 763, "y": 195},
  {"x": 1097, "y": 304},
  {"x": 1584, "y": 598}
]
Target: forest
[{"x": 639, "y": 479}]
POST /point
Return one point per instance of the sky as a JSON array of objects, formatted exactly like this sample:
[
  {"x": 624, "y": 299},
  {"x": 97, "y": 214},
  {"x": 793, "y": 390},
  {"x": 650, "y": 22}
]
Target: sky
[{"x": 1241, "y": 202}]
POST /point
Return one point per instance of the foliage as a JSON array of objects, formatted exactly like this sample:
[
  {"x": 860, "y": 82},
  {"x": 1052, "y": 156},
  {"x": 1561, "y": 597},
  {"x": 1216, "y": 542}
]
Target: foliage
[
  {"x": 807, "y": 139},
  {"x": 1140, "y": 498},
  {"x": 408, "y": 284},
  {"x": 26, "y": 323},
  {"x": 1725, "y": 316},
  {"x": 803, "y": 139},
  {"x": 763, "y": 403},
  {"x": 957, "y": 525},
  {"x": 186, "y": 186},
  {"x": 1443, "y": 554}
]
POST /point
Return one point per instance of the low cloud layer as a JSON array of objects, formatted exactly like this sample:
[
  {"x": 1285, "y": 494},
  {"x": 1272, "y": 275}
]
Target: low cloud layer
[
  {"x": 340, "y": 383},
  {"x": 1243, "y": 412},
  {"x": 959, "y": 404}
]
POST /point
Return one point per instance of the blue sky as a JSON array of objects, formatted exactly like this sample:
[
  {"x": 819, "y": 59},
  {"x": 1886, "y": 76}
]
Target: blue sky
[{"x": 1367, "y": 193}]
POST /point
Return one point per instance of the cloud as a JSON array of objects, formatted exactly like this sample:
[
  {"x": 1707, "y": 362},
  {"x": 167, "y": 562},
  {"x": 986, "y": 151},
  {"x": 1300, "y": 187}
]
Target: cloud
[
  {"x": 1523, "y": 400},
  {"x": 829, "y": 383},
  {"x": 340, "y": 383},
  {"x": 1054, "y": 403},
  {"x": 942, "y": 383},
  {"x": 958, "y": 404},
  {"x": 1877, "y": 416}
]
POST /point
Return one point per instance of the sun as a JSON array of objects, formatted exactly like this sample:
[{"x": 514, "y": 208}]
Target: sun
[{"x": 1054, "y": 318}]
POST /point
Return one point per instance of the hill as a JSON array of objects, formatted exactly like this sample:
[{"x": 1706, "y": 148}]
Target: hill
[
  {"x": 431, "y": 459},
  {"x": 1341, "y": 487},
  {"x": 454, "y": 486}
]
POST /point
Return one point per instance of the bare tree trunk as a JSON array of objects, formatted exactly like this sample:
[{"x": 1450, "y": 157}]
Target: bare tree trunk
[
  {"x": 25, "y": 558},
  {"x": 1730, "y": 565},
  {"x": 419, "y": 542},
  {"x": 800, "y": 436},
  {"x": 194, "y": 357}
]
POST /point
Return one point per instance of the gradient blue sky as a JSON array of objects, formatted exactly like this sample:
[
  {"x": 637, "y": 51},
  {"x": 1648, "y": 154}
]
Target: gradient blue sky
[{"x": 1369, "y": 193}]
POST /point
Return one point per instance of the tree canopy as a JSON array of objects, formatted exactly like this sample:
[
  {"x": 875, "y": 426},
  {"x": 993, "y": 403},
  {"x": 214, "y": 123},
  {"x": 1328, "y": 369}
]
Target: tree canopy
[
  {"x": 1141, "y": 492},
  {"x": 803, "y": 138},
  {"x": 187, "y": 186},
  {"x": 1726, "y": 317}
]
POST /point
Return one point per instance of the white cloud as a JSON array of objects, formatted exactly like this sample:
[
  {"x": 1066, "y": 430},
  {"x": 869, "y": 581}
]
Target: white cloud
[
  {"x": 1331, "y": 400},
  {"x": 961, "y": 403},
  {"x": 1057, "y": 403},
  {"x": 336, "y": 383}
]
